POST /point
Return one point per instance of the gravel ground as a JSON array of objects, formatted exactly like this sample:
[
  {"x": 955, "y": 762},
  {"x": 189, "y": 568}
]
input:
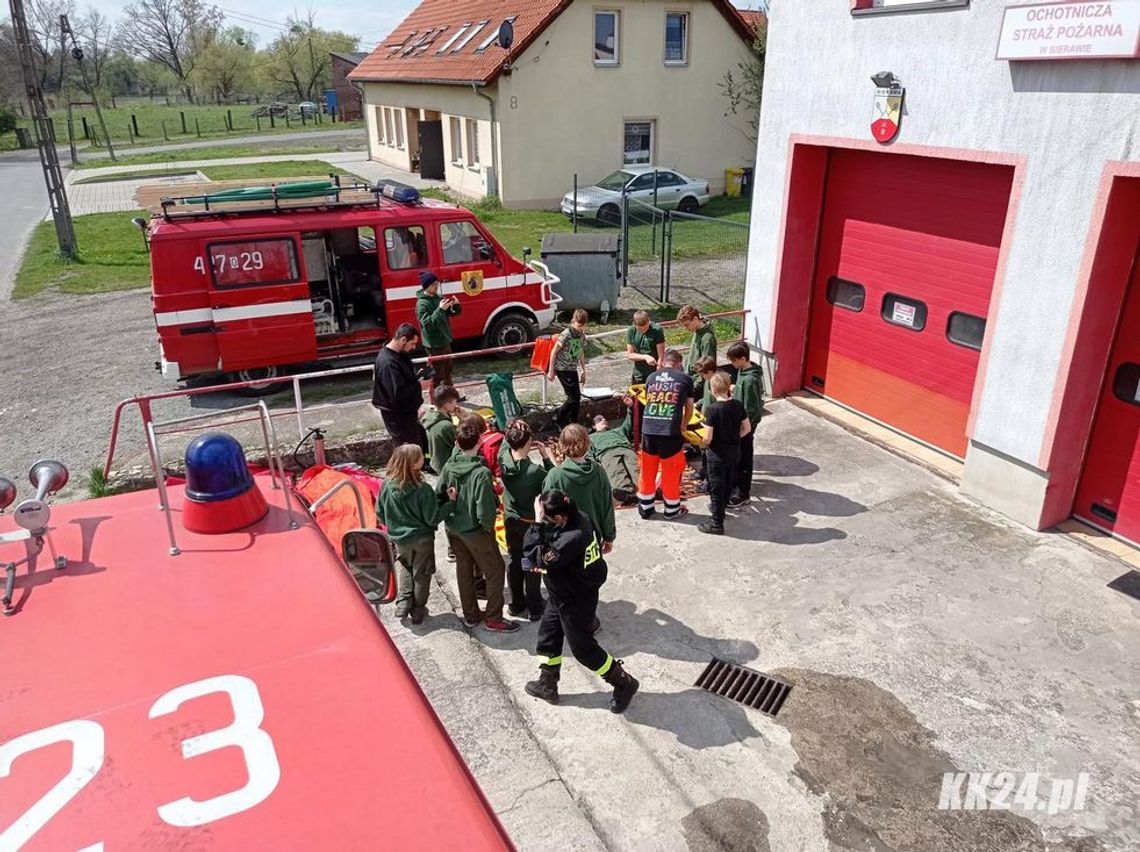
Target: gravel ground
[{"x": 70, "y": 359}]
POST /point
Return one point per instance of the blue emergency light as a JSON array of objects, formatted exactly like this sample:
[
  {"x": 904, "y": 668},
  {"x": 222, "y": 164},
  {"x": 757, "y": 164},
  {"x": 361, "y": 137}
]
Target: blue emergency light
[
  {"x": 221, "y": 495},
  {"x": 400, "y": 192}
]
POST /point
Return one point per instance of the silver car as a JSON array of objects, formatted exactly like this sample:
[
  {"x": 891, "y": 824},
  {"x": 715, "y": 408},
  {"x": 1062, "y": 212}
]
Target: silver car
[{"x": 663, "y": 188}]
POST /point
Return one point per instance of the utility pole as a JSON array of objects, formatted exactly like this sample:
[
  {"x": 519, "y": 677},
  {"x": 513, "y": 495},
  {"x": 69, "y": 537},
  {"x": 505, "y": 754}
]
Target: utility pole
[
  {"x": 77, "y": 54},
  {"x": 45, "y": 136}
]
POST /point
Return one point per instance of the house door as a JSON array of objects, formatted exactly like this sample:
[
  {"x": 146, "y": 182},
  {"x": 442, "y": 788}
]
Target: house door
[
  {"x": 907, "y": 257},
  {"x": 1109, "y": 491},
  {"x": 431, "y": 149}
]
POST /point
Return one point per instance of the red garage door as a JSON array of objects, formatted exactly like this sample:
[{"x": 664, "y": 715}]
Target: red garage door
[
  {"x": 1109, "y": 491},
  {"x": 907, "y": 255}
]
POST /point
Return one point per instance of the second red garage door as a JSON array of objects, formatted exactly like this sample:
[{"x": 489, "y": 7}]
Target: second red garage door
[{"x": 907, "y": 256}]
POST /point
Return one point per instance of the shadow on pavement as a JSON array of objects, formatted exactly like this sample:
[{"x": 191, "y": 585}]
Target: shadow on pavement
[
  {"x": 651, "y": 631},
  {"x": 783, "y": 465},
  {"x": 773, "y": 514}
]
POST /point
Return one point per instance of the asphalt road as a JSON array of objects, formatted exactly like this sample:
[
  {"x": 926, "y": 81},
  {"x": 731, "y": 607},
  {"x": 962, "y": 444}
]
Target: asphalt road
[{"x": 27, "y": 204}]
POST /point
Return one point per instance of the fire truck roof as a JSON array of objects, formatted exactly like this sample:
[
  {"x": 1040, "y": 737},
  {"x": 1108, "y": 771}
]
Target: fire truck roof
[{"x": 242, "y": 694}]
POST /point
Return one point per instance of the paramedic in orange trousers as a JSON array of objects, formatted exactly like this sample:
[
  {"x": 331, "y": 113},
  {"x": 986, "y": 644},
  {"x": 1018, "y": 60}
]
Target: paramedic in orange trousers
[{"x": 396, "y": 391}]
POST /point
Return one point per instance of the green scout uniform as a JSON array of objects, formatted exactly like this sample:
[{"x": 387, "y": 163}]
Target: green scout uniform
[
  {"x": 704, "y": 346},
  {"x": 411, "y": 515},
  {"x": 470, "y": 531},
  {"x": 435, "y": 323},
  {"x": 644, "y": 344},
  {"x": 586, "y": 483},
  {"x": 440, "y": 430}
]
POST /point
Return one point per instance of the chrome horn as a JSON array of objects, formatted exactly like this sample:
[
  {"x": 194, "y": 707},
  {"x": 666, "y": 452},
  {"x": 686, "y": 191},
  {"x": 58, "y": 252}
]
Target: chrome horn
[
  {"x": 7, "y": 493},
  {"x": 47, "y": 477}
]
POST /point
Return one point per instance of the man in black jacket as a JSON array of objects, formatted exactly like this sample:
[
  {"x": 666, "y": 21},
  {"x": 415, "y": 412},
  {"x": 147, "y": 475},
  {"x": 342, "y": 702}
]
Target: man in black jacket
[
  {"x": 396, "y": 391},
  {"x": 563, "y": 547}
]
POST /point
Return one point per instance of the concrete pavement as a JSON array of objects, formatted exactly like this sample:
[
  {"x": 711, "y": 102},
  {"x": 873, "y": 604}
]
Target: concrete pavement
[
  {"x": 923, "y": 636},
  {"x": 300, "y": 137}
]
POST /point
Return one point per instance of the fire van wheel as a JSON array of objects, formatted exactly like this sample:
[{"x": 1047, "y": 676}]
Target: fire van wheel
[
  {"x": 510, "y": 329},
  {"x": 258, "y": 375}
]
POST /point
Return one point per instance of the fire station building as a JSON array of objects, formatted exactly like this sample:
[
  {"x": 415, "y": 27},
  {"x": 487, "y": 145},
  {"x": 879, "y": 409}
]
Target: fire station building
[{"x": 950, "y": 248}]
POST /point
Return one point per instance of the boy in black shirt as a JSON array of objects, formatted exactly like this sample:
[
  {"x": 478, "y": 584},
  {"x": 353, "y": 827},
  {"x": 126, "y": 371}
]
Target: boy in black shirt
[{"x": 725, "y": 422}]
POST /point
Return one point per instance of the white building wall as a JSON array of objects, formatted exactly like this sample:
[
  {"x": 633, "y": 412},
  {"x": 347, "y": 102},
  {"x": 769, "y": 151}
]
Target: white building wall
[{"x": 1066, "y": 117}]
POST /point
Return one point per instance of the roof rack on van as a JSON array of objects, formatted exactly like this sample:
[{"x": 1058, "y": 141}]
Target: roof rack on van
[{"x": 321, "y": 193}]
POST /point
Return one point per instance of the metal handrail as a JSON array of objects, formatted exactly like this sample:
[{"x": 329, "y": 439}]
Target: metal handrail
[
  {"x": 144, "y": 402},
  {"x": 344, "y": 483}
]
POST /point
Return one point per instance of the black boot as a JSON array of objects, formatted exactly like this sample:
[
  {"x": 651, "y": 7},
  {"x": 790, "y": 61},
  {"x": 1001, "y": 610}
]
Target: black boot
[
  {"x": 546, "y": 687},
  {"x": 624, "y": 684}
]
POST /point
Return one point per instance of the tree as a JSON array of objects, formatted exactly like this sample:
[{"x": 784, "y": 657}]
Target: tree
[
  {"x": 227, "y": 62},
  {"x": 43, "y": 25},
  {"x": 11, "y": 78},
  {"x": 299, "y": 58},
  {"x": 93, "y": 33},
  {"x": 7, "y": 120},
  {"x": 743, "y": 86},
  {"x": 171, "y": 34}
]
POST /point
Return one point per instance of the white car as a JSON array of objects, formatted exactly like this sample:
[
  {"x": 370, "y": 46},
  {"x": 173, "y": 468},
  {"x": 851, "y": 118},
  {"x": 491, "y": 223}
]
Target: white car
[{"x": 664, "y": 188}]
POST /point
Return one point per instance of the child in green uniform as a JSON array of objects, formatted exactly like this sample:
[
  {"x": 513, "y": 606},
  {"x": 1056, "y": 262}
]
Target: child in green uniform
[
  {"x": 644, "y": 346},
  {"x": 522, "y": 483},
  {"x": 748, "y": 389},
  {"x": 585, "y": 482},
  {"x": 439, "y": 423},
  {"x": 408, "y": 507},
  {"x": 702, "y": 346}
]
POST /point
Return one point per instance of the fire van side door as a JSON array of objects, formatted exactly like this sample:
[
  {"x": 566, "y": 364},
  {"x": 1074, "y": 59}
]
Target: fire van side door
[
  {"x": 473, "y": 269},
  {"x": 260, "y": 303},
  {"x": 405, "y": 252}
]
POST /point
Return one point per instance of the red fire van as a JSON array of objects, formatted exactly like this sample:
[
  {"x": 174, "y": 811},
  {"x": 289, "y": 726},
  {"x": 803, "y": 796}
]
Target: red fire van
[{"x": 247, "y": 289}]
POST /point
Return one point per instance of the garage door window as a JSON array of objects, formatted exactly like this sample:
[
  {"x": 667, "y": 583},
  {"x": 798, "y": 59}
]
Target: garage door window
[
  {"x": 904, "y": 312},
  {"x": 1126, "y": 383},
  {"x": 966, "y": 330},
  {"x": 846, "y": 294}
]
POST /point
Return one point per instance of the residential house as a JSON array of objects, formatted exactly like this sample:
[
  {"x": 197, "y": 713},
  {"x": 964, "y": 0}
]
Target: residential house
[{"x": 584, "y": 89}]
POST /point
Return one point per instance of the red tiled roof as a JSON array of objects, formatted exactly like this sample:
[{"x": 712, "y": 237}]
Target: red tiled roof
[
  {"x": 753, "y": 17},
  {"x": 412, "y": 52}
]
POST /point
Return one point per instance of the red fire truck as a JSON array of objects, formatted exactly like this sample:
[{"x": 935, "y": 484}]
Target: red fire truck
[
  {"x": 170, "y": 682},
  {"x": 249, "y": 282}
]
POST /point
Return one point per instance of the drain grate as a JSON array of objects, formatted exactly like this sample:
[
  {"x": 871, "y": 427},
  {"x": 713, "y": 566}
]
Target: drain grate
[
  {"x": 1128, "y": 583},
  {"x": 744, "y": 685}
]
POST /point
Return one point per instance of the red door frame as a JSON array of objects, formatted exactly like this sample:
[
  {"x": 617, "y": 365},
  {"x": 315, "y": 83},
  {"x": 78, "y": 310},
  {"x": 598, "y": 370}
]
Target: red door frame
[
  {"x": 1097, "y": 305},
  {"x": 800, "y": 226}
]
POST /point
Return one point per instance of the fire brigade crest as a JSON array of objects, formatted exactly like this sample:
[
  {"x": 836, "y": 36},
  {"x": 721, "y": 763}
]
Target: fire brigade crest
[
  {"x": 887, "y": 114},
  {"x": 472, "y": 281}
]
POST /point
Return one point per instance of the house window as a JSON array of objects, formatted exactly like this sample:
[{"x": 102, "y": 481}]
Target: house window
[
  {"x": 456, "y": 142},
  {"x": 459, "y": 32},
  {"x": 966, "y": 330},
  {"x": 606, "y": 33},
  {"x": 405, "y": 247},
  {"x": 389, "y": 132},
  {"x": 869, "y": 7},
  {"x": 472, "y": 143},
  {"x": 489, "y": 40},
  {"x": 399, "y": 128},
  {"x": 676, "y": 38},
  {"x": 901, "y": 311},
  {"x": 637, "y": 149},
  {"x": 378, "y": 116},
  {"x": 845, "y": 294},
  {"x": 462, "y": 43}
]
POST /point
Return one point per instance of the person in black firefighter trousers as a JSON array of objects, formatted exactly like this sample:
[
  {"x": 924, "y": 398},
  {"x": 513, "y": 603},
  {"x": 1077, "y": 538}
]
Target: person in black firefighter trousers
[{"x": 563, "y": 547}]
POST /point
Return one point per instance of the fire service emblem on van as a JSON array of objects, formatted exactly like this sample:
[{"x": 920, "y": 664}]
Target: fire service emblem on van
[
  {"x": 472, "y": 281},
  {"x": 887, "y": 113}
]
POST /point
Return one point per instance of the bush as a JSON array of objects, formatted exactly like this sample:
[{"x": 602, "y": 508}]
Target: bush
[{"x": 7, "y": 120}]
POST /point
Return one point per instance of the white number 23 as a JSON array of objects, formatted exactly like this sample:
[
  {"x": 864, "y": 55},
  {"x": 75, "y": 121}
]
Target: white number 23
[{"x": 88, "y": 753}]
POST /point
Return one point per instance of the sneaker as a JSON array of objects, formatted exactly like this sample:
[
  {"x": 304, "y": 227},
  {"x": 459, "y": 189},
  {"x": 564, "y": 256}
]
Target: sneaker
[
  {"x": 535, "y": 615},
  {"x": 404, "y": 609},
  {"x": 418, "y": 614},
  {"x": 738, "y": 500},
  {"x": 516, "y": 610},
  {"x": 500, "y": 625},
  {"x": 469, "y": 624},
  {"x": 680, "y": 513},
  {"x": 711, "y": 528}
]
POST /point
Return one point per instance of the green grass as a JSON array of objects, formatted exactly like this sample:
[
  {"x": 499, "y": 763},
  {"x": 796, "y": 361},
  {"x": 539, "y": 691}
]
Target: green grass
[
  {"x": 246, "y": 171},
  {"x": 211, "y": 122},
  {"x": 217, "y": 152},
  {"x": 136, "y": 174},
  {"x": 112, "y": 257}
]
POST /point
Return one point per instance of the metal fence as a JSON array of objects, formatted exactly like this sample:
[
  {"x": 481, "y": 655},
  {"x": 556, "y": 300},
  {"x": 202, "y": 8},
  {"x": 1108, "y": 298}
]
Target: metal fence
[{"x": 666, "y": 255}]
